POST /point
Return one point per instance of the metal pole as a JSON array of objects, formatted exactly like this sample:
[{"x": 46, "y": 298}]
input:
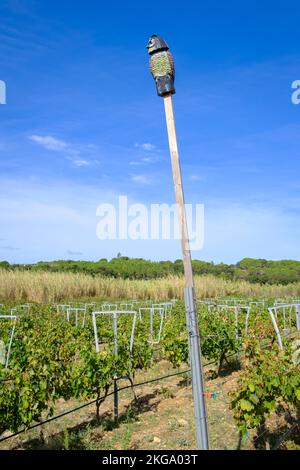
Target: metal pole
[
  {"x": 116, "y": 401},
  {"x": 236, "y": 323},
  {"x": 297, "y": 317},
  {"x": 95, "y": 332},
  {"x": 247, "y": 320},
  {"x": 151, "y": 325},
  {"x": 275, "y": 326},
  {"x": 116, "y": 398},
  {"x": 189, "y": 294}
]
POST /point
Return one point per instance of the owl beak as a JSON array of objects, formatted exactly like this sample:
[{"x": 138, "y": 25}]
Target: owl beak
[{"x": 150, "y": 45}]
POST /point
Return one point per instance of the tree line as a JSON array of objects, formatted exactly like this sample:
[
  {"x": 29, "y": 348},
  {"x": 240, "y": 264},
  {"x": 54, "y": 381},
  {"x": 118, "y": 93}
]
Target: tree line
[{"x": 253, "y": 270}]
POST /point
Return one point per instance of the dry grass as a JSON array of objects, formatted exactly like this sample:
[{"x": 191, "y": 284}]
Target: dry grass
[{"x": 54, "y": 287}]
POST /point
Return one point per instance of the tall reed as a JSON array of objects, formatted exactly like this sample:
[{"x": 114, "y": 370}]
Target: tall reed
[{"x": 54, "y": 287}]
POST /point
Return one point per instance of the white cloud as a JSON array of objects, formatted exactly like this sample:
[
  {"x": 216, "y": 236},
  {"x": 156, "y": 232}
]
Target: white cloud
[
  {"x": 150, "y": 159},
  {"x": 141, "y": 179},
  {"x": 81, "y": 162},
  {"x": 196, "y": 178},
  {"x": 49, "y": 142},
  {"x": 153, "y": 155},
  {"x": 146, "y": 146},
  {"x": 76, "y": 154},
  {"x": 142, "y": 161},
  {"x": 9, "y": 248}
]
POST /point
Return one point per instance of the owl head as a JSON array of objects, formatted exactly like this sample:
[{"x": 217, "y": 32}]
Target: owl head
[{"x": 156, "y": 43}]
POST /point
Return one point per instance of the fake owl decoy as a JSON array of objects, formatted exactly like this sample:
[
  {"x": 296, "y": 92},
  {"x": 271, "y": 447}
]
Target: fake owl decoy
[{"x": 161, "y": 65}]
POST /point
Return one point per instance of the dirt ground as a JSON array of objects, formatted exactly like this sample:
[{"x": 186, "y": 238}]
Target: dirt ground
[{"x": 160, "y": 418}]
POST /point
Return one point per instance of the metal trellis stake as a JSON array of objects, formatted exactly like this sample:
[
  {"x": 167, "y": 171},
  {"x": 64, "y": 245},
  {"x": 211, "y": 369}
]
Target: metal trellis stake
[
  {"x": 114, "y": 314},
  {"x": 162, "y": 69}
]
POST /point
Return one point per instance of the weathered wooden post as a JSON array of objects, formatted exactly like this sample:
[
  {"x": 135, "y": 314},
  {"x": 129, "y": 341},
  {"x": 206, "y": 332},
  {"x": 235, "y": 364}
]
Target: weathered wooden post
[{"x": 162, "y": 69}]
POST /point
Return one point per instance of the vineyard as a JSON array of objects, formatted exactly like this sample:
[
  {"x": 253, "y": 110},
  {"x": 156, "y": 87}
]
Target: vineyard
[{"x": 54, "y": 355}]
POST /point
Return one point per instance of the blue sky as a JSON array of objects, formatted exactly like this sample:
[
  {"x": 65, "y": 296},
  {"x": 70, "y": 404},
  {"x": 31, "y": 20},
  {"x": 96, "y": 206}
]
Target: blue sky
[{"x": 83, "y": 124}]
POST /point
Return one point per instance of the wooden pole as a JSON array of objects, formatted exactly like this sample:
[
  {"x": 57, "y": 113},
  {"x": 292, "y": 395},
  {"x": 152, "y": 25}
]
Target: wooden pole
[
  {"x": 189, "y": 293},
  {"x": 179, "y": 195}
]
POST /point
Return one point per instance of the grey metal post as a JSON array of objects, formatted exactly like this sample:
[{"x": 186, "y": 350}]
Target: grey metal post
[
  {"x": 132, "y": 332},
  {"x": 297, "y": 317},
  {"x": 115, "y": 333},
  {"x": 9, "y": 344},
  {"x": 247, "y": 320},
  {"x": 116, "y": 401},
  {"x": 7, "y": 352},
  {"x": 116, "y": 398},
  {"x": 275, "y": 327},
  {"x": 151, "y": 324},
  {"x": 95, "y": 332},
  {"x": 236, "y": 323},
  {"x": 196, "y": 367}
]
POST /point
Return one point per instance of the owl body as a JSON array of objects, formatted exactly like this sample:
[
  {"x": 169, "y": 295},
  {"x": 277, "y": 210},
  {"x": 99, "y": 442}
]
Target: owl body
[{"x": 161, "y": 65}]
